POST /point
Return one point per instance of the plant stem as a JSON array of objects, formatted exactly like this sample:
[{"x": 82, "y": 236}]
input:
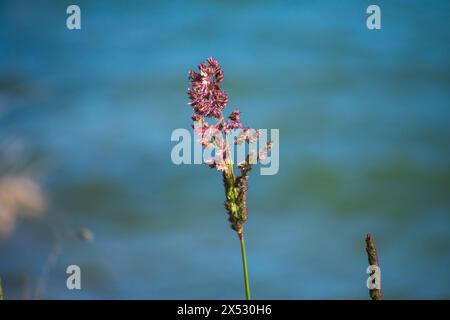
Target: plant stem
[
  {"x": 1, "y": 291},
  {"x": 372, "y": 255},
  {"x": 244, "y": 264}
]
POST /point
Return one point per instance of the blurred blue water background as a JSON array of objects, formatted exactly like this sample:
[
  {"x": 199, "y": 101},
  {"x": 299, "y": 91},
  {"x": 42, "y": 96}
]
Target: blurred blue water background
[{"x": 364, "y": 125}]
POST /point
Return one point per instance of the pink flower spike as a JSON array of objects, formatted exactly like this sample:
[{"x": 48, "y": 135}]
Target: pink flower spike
[
  {"x": 205, "y": 142},
  {"x": 234, "y": 121},
  {"x": 210, "y": 131},
  {"x": 253, "y": 137},
  {"x": 263, "y": 153},
  {"x": 222, "y": 166},
  {"x": 207, "y": 99}
]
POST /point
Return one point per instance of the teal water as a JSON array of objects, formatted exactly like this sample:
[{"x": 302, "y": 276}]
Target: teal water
[{"x": 364, "y": 125}]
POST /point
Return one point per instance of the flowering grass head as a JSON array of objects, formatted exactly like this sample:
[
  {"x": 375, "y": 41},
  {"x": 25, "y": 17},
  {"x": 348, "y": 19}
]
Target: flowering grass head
[
  {"x": 207, "y": 99},
  {"x": 212, "y": 128}
]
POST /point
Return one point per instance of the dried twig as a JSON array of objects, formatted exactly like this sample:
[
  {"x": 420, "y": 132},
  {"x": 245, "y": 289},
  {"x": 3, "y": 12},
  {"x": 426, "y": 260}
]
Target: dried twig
[
  {"x": 372, "y": 255},
  {"x": 1, "y": 291}
]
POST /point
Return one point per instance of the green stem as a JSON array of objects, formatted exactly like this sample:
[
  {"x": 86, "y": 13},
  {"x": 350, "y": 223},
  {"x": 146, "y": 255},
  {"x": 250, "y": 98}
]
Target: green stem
[{"x": 244, "y": 264}]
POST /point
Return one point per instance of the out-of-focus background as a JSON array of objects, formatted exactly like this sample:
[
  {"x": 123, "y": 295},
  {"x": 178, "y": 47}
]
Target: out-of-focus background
[{"x": 86, "y": 176}]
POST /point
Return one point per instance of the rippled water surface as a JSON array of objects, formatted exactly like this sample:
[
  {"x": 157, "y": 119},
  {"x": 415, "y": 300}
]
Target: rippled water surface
[{"x": 364, "y": 125}]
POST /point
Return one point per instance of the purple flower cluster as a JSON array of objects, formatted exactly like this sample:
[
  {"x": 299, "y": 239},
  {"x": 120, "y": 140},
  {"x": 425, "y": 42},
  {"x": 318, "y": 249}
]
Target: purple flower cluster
[{"x": 208, "y": 100}]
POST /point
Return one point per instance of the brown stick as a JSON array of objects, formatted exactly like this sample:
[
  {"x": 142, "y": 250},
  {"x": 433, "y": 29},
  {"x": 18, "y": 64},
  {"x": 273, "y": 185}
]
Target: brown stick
[
  {"x": 372, "y": 255},
  {"x": 1, "y": 291}
]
